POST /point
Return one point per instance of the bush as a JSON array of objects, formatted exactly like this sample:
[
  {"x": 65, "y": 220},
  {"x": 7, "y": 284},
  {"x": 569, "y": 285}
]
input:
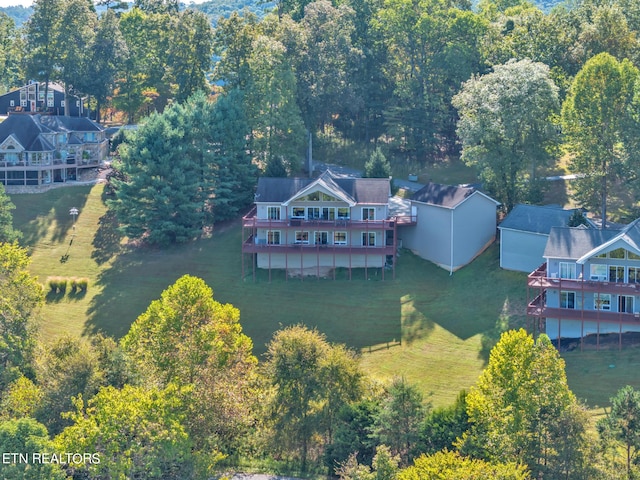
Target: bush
[
  {"x": 82, "y": 284},
  {"x": 57, "y": 284}
]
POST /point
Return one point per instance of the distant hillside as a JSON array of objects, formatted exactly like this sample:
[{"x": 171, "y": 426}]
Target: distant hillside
[
  {"x": 19, "y": 14},
  {"x": 215, "y": 9},
  {"x": 223, "y": 8}
]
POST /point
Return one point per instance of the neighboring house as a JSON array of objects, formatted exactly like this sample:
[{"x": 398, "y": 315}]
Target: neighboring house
[
  {"x": 454, "y": 224},
  {"x": 30, "y": 98},
  {"x": 524, "y": 234},
  {"x": 40, "y": 149},
  {"x": 589, "y": 284},
  {"x": 313, "y": 226}
]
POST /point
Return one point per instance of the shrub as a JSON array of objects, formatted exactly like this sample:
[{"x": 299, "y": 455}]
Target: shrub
[
  {"x": 56, "y": 284},
  {"x": 73, "y": 284},
  {"x": 62, "y": 285},
  {"x": 82, "y": 284}
]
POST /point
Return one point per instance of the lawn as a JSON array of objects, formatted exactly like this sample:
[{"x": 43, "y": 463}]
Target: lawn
[{"x": 432, "y": 328}]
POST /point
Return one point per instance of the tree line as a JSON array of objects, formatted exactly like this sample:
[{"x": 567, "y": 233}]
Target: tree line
[
  {"x": 182, "y": 396},
  {"x": 505, "y": 84}
]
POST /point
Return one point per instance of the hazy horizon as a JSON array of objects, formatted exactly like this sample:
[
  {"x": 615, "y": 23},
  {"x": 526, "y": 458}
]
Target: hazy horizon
[{"x": 28, "y": 3}]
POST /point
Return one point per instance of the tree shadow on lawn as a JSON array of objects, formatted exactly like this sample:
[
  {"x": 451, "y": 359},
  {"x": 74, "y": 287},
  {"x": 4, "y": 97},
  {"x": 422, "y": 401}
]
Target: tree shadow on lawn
[
  {"x": 35, "y": 212},
  {"x": 106, "y": 242}
]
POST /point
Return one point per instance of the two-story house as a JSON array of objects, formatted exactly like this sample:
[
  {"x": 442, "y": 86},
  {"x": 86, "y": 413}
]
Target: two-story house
[
  {"x": 589, "y": 284},
  {"x": 30, "y": 98},
  {"x": 41, "y": 149},
  {"x": 314, "y": 226}
]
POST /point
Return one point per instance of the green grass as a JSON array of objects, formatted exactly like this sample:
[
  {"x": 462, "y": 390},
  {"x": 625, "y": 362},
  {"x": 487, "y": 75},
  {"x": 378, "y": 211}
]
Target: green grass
[{"x": 432, "y": 328}]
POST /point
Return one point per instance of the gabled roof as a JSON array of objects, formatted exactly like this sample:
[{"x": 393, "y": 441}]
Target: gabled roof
[
  {"x": 351, "y": 190},
  {"x": 536, "y": 219},
  {"x": 28, "y": 129},
  {"x": 447, "y": 196},
  {"x": 573, "y": 242},
  {"x": 630, "y": 235}
]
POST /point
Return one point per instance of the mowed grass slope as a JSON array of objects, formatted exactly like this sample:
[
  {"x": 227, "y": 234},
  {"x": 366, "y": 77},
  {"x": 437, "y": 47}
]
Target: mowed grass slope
[{"x": 433, "y": 328}]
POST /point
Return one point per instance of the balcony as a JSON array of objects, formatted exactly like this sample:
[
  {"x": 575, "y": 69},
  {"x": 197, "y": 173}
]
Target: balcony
[
  {"x": 251, "y": 246},
  {"x": 539, "y": 279}
]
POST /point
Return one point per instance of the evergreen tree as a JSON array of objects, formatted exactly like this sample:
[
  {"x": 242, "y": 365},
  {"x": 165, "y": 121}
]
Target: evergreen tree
[{"x": 377, "y": 166}]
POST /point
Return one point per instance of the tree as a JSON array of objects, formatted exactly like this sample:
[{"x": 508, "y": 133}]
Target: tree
[
  {"x": 28, "y": 438},
  {"x": 377, "y": 166},
  {"x": 444, "y": 426},
  {"x": 446, "y": 465},
  {"x": 520, "y": 405},
  {"x": 73, "y": 37},
  {"x": 136, "y": 432},
  {"x": 190, "y": 50},
  {"x": 7, "y": 233},
  {"x": 597, "y": 126},
  {"x": 189, "y": 339},
  {"x": 311, "y": 379},
  {"x": 107, "y": 53},
  {"x": 398, "y": 422},
  {"x": 623, "y": 424},
  {"x": 65, "y": 369},
  {"x": 275, "y": 118},
  {"x": 9, "y": 53},
  {"x": 41, "y": 42},
  {"x": 506, "y": 130},
  {"x": 20, "y": 301},
  {"x": 352, "y": 433},
  {"x": 384, "y": 467}
]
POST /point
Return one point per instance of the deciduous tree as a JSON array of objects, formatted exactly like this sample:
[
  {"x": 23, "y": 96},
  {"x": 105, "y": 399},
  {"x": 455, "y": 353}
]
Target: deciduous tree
[
  {"x": 20, "y": 301},
  {"x": 519, "y": 407},
  {"x": 506, "y": 130},
  {"x": 596, "y": 122}
]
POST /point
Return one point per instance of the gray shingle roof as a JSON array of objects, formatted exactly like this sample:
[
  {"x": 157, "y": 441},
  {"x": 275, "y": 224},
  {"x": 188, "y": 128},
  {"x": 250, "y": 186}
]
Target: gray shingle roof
[
  {"x": 573, "y": 243},
  {"x": 536, "y": 219},
  {"x": 27, "y": 129},
  {"x": 448, "y": 196},
  {"x": 362, "y": 190}
]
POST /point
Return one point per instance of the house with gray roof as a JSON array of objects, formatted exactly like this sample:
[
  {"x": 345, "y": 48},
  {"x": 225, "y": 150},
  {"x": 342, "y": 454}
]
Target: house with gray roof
[
  {"x": 316, "y": 226},
  {"x": 30, "y": 98},
  {"x": 589, "y": 283},
  {"x": 524, "y": 234},
  {"x": 41, "y": 149},
  {"x": 454, "y": 224}
]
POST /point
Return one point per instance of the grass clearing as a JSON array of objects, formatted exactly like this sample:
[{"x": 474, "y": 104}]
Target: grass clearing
[{"x": 433, "y": 328}]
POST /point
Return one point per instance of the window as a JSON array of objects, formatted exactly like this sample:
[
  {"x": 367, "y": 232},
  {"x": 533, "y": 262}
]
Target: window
[
  {"x": 616, "y": 273},
  {"x": 617, "y": 253},
  {"x": 23, "y": 103},
  {"x": 328, "y": 213},
  {"x": 368, "y": 239},
  {"x": 62, "y": 103},
  {"x": 340, "y": 238},
  {"x": 297, "y": 212},
  {"x": 12, "y": 103},
  {"x": 567, "y": 270},
  {"x": 632, "y": 256},
  {"x": 273, "y": 237},
  {"x": 625, "y": 304},
  {"x": 634, "y": 274},
  {"x": 313, "y": 213},
  {"x": 50, "y": 103},
  {"x": 302, "y": 237},
  {"x": 568, "y": 300},
  {"x": 321, "y": 238},
  {"x": 599, "y": 272},
  {"x": 273, "y": 213},
  {"x": 368, "y": 214},
  {"x": 602, "y": 301},
  {"x": 78, "y": 103},
  {"x": 343, "y": 212}
]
